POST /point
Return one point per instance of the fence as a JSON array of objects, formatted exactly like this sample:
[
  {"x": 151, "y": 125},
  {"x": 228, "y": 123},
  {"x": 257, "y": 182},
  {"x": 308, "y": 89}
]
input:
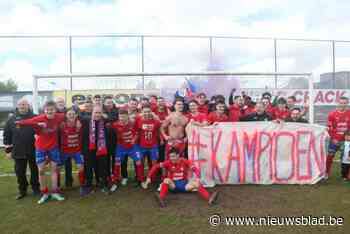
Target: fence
[
  {"x": 169, "y": 53},
  {"x": 197, "y": 75}
]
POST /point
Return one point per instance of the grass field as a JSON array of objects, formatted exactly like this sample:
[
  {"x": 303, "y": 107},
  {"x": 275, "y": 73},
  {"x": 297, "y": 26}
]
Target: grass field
[{"x": 132, "y": 210}]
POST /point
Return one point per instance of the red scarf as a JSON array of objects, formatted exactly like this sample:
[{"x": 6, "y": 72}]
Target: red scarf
[{"x": 101, "y": 140}]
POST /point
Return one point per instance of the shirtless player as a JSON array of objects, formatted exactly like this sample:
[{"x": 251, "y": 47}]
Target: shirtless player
[{"x": 175, "y": 123}]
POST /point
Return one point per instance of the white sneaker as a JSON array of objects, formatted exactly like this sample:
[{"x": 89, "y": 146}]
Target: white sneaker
[
  {"x": 158, "y": 189},
  {"x": 44, "y": 198},
  {"x": 143, "y": 185},
  {"x": 57, "y": 197},
  {"x": 326, "y": 176},
  {"x": 113, "y": 188},
  {"x": 124, "y": 181}
]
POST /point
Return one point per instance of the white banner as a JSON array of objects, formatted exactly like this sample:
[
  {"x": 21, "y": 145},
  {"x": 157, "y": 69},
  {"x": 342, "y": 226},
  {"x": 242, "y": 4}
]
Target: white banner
[
  {"x": 323, "y": 97},
  {"x": 258, "y": 153}
]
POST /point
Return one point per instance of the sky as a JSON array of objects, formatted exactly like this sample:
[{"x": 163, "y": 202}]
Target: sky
[{"x": 312, "y": 19}]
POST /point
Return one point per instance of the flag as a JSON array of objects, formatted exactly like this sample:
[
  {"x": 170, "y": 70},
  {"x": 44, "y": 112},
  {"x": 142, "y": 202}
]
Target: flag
[
  {"x": 178, "y": 94},
  {"x": 190, "y": 89}
]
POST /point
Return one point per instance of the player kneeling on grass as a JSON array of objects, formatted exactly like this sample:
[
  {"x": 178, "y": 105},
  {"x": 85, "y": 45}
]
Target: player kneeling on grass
[
  {"x": 177, "y": 179},
  {"x": 126, "y": 138},
  {"x": 46, "y": 129},
  {"x": 71, "y": 143}
]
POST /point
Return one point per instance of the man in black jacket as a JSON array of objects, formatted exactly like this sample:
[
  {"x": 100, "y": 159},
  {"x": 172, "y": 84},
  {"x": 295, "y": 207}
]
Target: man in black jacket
[
  {"x": 259, "y": 114},
  {"x": 110, "y": 114},
  {"x": 94, "y": 149},
  {"x": 19, "y": 143}
]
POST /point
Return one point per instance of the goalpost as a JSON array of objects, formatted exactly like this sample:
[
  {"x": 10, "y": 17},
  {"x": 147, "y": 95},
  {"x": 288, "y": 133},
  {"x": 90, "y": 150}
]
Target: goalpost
[{"x": 71, "y": 76}]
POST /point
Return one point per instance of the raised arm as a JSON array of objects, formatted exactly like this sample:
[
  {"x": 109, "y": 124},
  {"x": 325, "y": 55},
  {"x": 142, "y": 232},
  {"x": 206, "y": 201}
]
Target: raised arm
[
  {"x": 230, "y": 99},
  {"x": 32, "y": 121}
]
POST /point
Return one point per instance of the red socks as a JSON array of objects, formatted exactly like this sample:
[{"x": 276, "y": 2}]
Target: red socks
[
  {"x": 117, "y": 169},
  {"x": 163, "y": 190},
  {"x": 163, "y": 174},
  {"x": 203, "y": 193},
  {"x": 81, "y": 177},
  {"x": 329, "y": 163},
  {"x": 116, "y": 173},
  {"x": 149, "y": 163},
  {"x": 140, "y": 172},
  {"x": 45, "y": 190}
]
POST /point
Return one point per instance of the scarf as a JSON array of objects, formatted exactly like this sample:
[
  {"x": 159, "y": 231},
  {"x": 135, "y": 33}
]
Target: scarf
[{"x": 101, "y": 149}]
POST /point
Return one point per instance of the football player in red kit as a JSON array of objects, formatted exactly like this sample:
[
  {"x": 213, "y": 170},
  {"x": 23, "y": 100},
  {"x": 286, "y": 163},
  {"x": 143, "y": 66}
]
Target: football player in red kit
[
  {"x": 132, "y": 109},
  {"x": 203, "y": 103},
  {"x": 153, "y": 101},
  {"x": 236, "y": 110},
  {"x": 281, "y": 112},
  {"x": 46, "y": 128},
  {"x": 266, "y": 100},
  {"x": 126, "y": 147},
  {"x": 148, "y": 129},
  {"x": 178, "y": 178},
  {"x": 195, "y": 116},
  {"x": 338, "y": 124},
  {"x": 71, "y": 143},
  {"x": 219, "y": 114},
  {"x": 133, "y": 115},
  {"x": 162, "y": 110}
]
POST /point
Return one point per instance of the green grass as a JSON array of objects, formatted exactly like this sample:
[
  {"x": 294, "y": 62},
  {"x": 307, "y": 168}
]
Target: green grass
[
  {"x": 6, "y": 165},
  {"x": 132, "y": 210}
]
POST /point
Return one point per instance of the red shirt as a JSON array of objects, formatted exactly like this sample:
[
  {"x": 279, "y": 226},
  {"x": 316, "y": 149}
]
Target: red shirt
[
  {"x": 70, "y": 139},
  {"x": 126, "y": 134},
  {"x": 134, "y": 116},
  {"x": 148, "y": 132},
  {"x": 200, "y": 117},
  {"x": 46, "y": 137},
  {"x": 154, "y": 107},
  {"x": 248, "y": 110},
  {"x": 162, "y": 115},
  {"x": 280, "y": 114},
  {"x": 204, "y": 108},
  {"x": 175, "y": 171},
  {"x": 269, "y": 109},
  {"x": 338, "y": 123},
  {"x": 235, "y": 112},
  {"x": 214, "y": 117}
]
